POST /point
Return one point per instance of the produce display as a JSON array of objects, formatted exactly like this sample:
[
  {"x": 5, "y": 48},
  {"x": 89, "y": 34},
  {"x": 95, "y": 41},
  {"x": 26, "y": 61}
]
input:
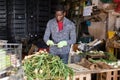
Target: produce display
[
  {"x": 93, "y": 53},
  {"x": 44, "y": 66},
  {"x": 95, "y": 60},
  {"x": 10, "y": 61},
  {"x": 99, "y": 53},
  {"x": 111, "y": 64},
  {"x": 110, "y": 56},
  {"x": 4, "y": 59}
]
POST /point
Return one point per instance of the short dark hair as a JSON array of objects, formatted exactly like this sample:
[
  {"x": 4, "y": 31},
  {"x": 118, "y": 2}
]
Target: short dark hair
[{"x": 60, "y": 7}]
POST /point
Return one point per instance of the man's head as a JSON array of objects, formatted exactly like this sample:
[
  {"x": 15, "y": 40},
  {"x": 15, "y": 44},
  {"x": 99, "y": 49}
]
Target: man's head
[{"x": 59, "y": 12}]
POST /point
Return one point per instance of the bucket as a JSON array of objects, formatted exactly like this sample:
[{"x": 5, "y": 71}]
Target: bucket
[{"x": 111, "y": 34}]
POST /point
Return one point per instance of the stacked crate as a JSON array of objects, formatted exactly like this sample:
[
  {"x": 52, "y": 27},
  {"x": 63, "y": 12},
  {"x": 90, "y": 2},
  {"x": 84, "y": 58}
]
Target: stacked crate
[
  {"x": 80, "y": 72},
  {"x": 113, "y": 74},
  {"x": 37, "y": 16},
  {"x": 10, "y": 61},
  {"x": 17, "y": 19},
  {"x": 3, "y": 20},
  {"x": 81, "y": 77}
]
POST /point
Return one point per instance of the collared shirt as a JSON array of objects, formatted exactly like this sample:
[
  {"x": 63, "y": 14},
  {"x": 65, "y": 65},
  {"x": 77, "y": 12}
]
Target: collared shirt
[
  {"x": 60, "y": 25},
  {"x": 67, "y": 34}
]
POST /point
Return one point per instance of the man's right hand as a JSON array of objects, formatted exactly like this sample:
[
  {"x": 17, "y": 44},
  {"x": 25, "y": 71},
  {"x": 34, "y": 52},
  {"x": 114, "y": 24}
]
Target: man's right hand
[{"x": 50, "y": 43}]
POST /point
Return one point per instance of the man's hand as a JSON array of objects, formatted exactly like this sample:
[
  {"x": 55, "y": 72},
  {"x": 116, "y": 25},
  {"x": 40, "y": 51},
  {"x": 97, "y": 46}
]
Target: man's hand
[
  {"x": 62, "y": 44},
  {"x": 50, "y": 43}
]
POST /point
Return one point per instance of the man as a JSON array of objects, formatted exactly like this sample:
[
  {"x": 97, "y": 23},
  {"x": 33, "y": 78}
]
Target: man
[{"x": 62, "y": 32}]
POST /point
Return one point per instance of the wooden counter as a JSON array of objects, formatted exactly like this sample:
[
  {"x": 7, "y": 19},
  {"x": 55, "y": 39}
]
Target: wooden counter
[{"x": 102, "y": 74}]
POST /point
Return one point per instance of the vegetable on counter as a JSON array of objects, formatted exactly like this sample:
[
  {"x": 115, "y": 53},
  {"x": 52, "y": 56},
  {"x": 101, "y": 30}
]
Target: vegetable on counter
[{"x": 44, "y": 66}]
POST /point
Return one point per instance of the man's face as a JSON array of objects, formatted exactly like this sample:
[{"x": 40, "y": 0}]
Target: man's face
[{"x": 59, "y": 15}]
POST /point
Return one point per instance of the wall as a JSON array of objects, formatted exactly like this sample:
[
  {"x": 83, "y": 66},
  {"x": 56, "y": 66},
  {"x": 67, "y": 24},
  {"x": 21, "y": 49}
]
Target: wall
[{"x": 98, "y": 29}]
